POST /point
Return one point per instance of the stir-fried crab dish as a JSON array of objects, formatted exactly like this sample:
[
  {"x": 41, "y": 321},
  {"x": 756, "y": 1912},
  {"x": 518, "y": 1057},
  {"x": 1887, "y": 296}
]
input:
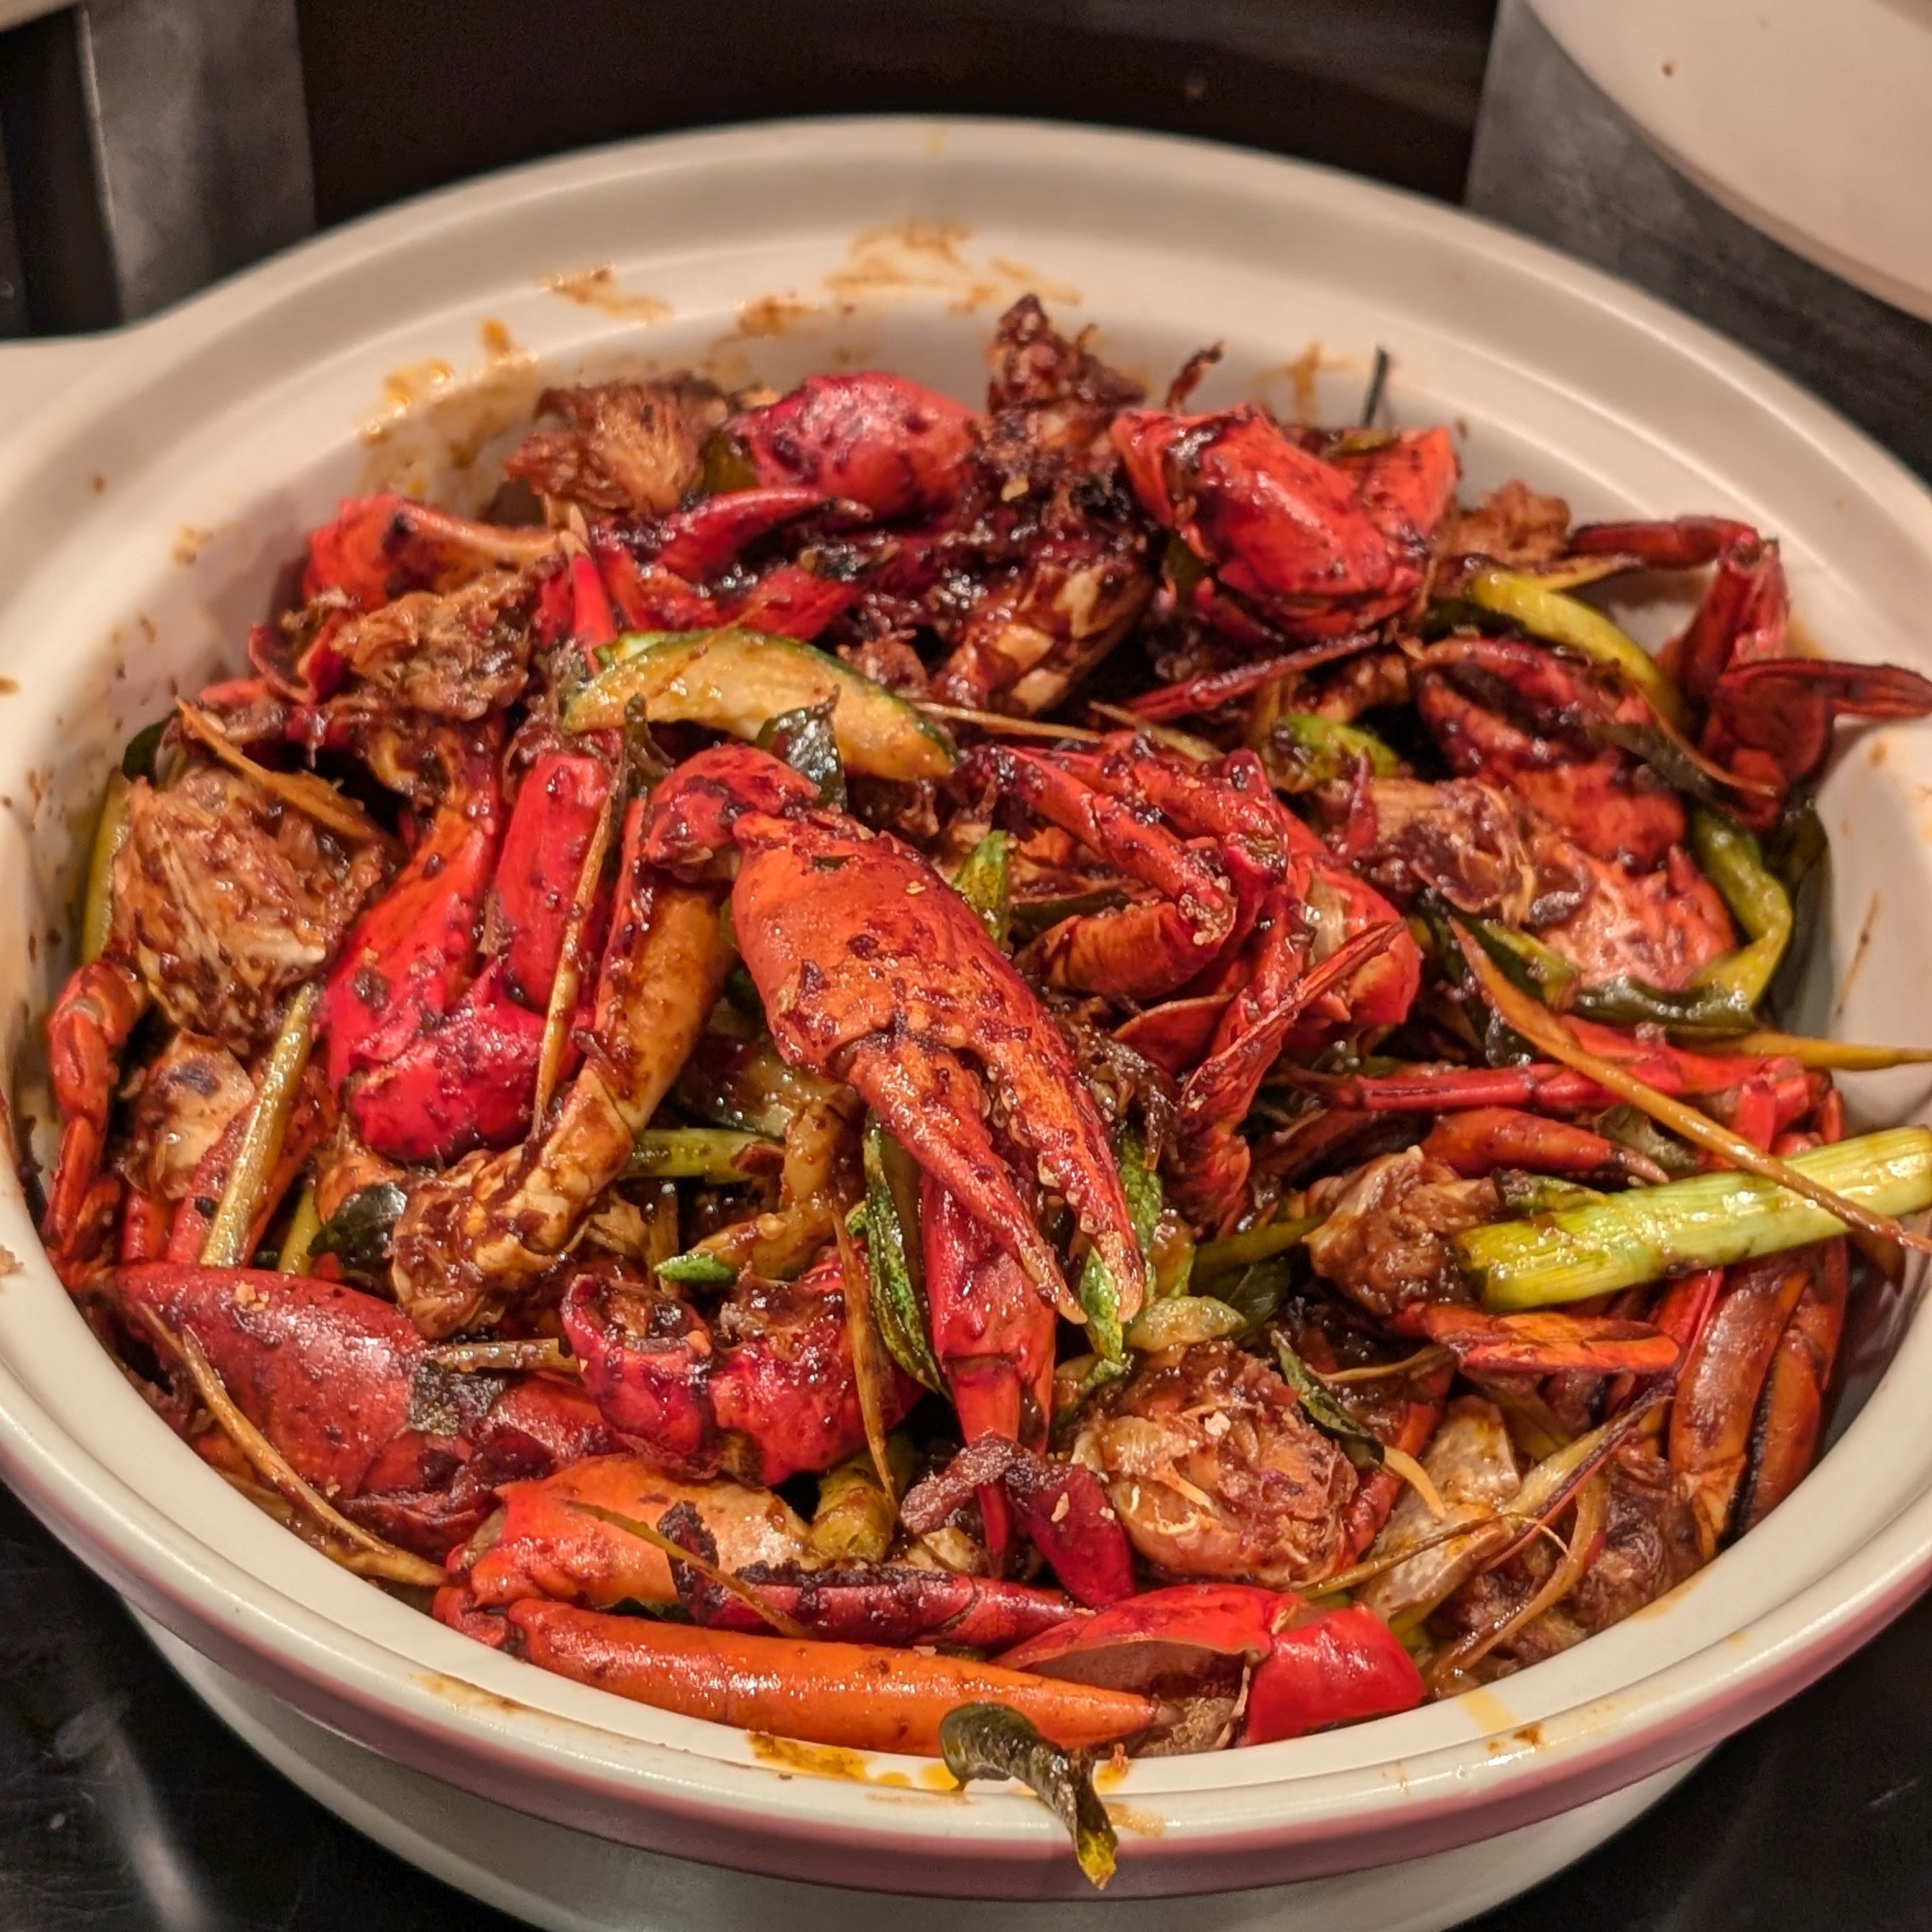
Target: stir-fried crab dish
[{"x": 1015, "y": 1082}]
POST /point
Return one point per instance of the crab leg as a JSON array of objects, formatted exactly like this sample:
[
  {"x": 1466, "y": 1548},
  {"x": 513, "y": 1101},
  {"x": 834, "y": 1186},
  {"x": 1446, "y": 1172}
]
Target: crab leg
[
  {"x": 1719, "y": 1390},
  {"x": 380, "y": 548},
  {"x": 1482, "y": 1139},
  {"x": 1139, "y": 951},
  {"x": 1213, "y": 1160},
  {"x": 1542, "y": 1343},
  {"x": 97, "y": 1010},
  {"x": 1791, "y": 1411}
]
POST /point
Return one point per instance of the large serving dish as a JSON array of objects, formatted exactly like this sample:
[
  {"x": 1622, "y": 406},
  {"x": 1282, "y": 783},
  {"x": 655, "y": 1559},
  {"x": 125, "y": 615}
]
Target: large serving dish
[{"x": 156, "y": 482}]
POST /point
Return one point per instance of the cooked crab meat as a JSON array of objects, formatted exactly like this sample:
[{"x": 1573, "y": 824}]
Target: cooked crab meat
[
  {"x": 462, "y": 655},
  {"x": 627, "y": 446},
  {"x": 1385, "y": 1242},
  {"x": 183, "y": 1104},
  {"x": 225, "y": 901},
  {"x": 1216, "y": 1472}
]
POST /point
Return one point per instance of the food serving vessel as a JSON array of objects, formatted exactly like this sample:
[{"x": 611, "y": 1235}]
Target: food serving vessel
[{"x": 154, "y": 487}]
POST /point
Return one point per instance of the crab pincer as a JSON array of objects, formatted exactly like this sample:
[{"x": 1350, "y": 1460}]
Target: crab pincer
[
  {"x": 344, "y": 1388},
  {"x": 874, "y": 971}
]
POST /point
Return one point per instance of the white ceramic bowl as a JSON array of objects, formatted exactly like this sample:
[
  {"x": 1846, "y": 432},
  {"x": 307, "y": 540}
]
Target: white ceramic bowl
[{"x": 159, "y": 479}]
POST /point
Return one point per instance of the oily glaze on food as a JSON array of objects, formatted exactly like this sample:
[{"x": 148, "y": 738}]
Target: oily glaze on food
[{"x": 998, "y": 1082}]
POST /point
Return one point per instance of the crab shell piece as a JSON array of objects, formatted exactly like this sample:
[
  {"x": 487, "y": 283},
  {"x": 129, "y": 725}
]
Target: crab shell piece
[
  {"x": 874, "y": 438},
  {"x": 1317, "y": 548}
]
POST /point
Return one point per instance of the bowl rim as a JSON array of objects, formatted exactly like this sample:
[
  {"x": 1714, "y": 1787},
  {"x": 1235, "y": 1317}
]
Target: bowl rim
[{"x": 1662, "y": 1715}]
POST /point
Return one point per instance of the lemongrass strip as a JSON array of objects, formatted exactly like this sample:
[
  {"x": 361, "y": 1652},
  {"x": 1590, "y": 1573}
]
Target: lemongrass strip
[
  {"x": 1832, "y": 1057},
  {"x": 1420, "y": 1363},
  {"x": 1184, "y": 742},
  {"x": 869, "y": 1371},
  {"x": 1704, "y": 1221},
  {"x": 1402, "y": 1463},
  {"x": 110, "y": 834},
  {"x": 1254, "y": 1245},
  {"x": 1370, "y": 1568},
  {"x": 546, "y": 1356},
  {"x": 274, "y": 1468},
  {"x": 754, "y": 1599},
  {"x": 1572, "y": 574},
  {"x": 228, "y": 1243},
  {"x": 298, "y": 1244},
  {"x": 569, "y": 981},
  {"x": 1592, "y": 1511},
  {"x": 998, "y": 723},
  {"x": 1549, "y": 1034},
  {"x": 313, "y": 798}
]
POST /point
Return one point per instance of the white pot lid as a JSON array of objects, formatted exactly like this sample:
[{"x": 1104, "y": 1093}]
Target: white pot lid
[{"x": 1811, "y": 121}]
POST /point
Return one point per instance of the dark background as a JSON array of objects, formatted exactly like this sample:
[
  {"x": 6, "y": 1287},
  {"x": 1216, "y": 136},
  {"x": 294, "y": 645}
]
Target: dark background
[{"x": 123, "y": 1806}]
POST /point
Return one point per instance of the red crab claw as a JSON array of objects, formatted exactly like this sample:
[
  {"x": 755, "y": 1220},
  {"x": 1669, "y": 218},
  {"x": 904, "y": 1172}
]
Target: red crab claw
[
  {"x": 1312, "y": 547},
  {"x": 405, "y": 958},
  {"x": 647, "y": 596},
  {"x": 1261, "y": 843},
  {"x": 788, "y": 601},
  {"x": 466, "y": 1075},
  {"x": 1062, "y": 1508},
  {"x": 1139, "y": 951},
  {"x": 781, "y": 1399},
  {"x": 993, "y": 1335},
  {"x": 378, "y": 548},
  {"x": 340, "y": 1382},
  {"x": 1787, "y": 709},
  {"x": 1482, "y": 1139},
  {"x": 697, "y": 542},
  {"x": 884, "y": 442},
  {"x": 693, "y": 811},
  {"x": 479, "y": 1234},
  {"x": 1406, "y": 484},
  {"x": 1302, "y": 1670},
  {"x": 874, "y": 971},
  {"x": 1749, "y": 1398},
  {"x": 550, "y": 831},
  {"x": 1542, "y": 1343},
  {"x": 1518, "y": 716},
  {"x": 97, "y": 1010}
]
